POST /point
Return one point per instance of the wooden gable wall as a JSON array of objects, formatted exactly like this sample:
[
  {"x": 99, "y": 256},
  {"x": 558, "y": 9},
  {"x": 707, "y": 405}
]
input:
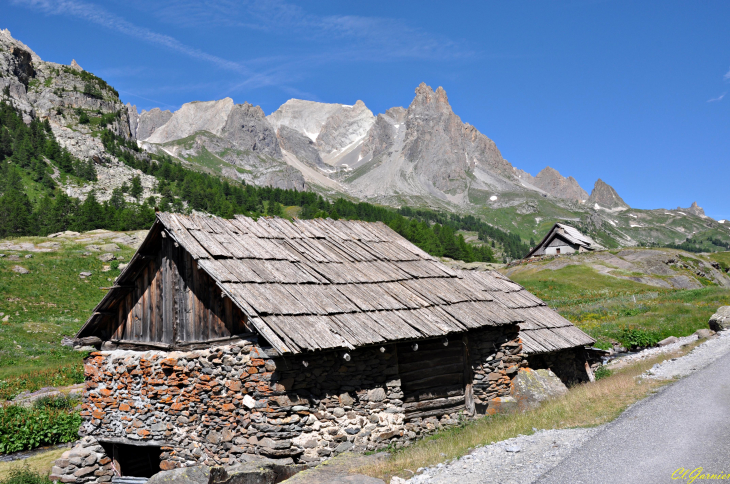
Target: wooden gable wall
[{"x": 172, "y": 302}]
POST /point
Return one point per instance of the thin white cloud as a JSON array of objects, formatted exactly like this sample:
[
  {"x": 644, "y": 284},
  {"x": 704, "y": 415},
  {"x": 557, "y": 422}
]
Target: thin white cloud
[
  {"x": 319, "y": 39},
  {"x": 716, "y": 99},
  {"x": 357, "y": 37},
  {"x": 99, "y": 16},
  {"x": 727, "y": 76}
]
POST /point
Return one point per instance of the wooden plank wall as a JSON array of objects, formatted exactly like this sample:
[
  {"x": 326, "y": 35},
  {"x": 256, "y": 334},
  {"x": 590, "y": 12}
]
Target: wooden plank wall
[
  {"x": 174, "y": 302},
  {"x": 140, "y": 313},
  {"x": 432, "y": 377}
]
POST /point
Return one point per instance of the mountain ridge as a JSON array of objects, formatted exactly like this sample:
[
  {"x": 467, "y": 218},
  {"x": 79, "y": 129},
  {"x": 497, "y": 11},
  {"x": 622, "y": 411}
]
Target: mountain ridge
[{"x": 423, "y": 155}]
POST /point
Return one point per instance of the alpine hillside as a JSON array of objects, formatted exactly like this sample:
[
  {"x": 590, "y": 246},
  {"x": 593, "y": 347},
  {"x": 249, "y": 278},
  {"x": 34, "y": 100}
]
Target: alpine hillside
[{"x": 423, "y": 157}]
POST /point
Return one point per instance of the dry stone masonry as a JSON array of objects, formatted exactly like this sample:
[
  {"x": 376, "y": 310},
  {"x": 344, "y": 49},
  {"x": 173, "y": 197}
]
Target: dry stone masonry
[{"x": 220, "y": 405}]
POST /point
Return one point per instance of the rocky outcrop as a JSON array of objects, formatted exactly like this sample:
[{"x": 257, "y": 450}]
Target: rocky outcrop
[
  {"x": 442, "y": 147},
  {"x": 344, "y": 127},
  {"x": 246, "y": 127},
  {"x": 383, "y": 132},
  {"x": 604, "y": 196},
  {"x": 300, "y": 146},
  {"x": 147, "y": 122},
  {"x": 306, "y": 117},
  {"x": 552, "y": 182},
  {"x": 192, "y": 117},
  {"x": 694, "y": 209}
]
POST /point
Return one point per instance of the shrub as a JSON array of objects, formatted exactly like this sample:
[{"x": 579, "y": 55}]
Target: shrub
[
  {"x": 602, "y": 372},
  {"x": 24, "y": 428},
  {"x": 632, "y": 338},
  {"x": 57, "y": 402},
  {"x": 24, "y": 475},
  {"x": 84, "y": 118}
]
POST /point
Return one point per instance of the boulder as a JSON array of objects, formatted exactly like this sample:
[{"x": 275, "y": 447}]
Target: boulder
[
  {"x": 502, "y": 405},
  {"x": 704, "y": 333},
  {"x": 108, "y": 257},
  {"x": 20, "y": 270},
  {"x": 532, "y": 387},
  {"x": 186, "y": 475},
  {"x": 668, "y": 341},
  {"x": 720, "y": 321}
]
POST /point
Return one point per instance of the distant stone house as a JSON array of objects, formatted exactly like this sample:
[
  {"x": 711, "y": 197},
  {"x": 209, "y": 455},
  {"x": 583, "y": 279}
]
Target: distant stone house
[
  {"x": 297, "y": 340},
  {"x": 564, "y": 239}
]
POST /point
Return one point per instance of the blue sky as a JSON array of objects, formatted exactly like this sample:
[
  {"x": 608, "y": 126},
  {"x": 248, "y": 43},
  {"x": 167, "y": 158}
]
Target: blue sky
[{"x": 631, "y": 92}]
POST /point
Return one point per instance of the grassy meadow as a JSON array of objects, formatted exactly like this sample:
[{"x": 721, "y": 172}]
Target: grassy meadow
[
  {"x": 618, "y": 310},
  {"x": 41, "y": 307}
]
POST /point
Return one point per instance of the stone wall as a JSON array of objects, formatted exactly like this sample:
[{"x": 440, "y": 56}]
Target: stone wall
[
  {"x": 220, "y": 405},
  {"x": 85, "y": 462},
  {"x": 496, "y": 357}
]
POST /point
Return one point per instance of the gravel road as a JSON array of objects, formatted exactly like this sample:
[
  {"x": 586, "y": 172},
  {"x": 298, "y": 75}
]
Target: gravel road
[{"x": 684, "y": 425}]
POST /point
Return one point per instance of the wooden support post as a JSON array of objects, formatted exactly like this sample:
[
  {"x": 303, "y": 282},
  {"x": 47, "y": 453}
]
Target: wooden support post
[{"x": 468, "y": 380}]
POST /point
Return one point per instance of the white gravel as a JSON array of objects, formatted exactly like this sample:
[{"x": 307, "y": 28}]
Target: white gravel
[
  {"x": 698, "y": 358},
  {"x": 622, "y": 361},
  {"x": 519, "y": 460}
]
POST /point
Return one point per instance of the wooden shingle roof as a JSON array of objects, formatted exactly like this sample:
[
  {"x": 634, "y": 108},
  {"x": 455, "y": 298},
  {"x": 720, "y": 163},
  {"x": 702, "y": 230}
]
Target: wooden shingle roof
[
  {"x": 324, "y": 284},
  {"x": 542, "y": 329}
]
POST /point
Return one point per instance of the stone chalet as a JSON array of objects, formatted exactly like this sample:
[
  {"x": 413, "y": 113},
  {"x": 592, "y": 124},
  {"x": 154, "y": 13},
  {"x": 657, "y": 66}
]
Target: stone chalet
[
  {"x": 224, "y": 339},
  {"x": 564, "y": 239}
]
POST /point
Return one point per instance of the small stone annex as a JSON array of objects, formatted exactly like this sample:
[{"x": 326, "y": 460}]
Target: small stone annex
[
  {"x": 549, "y": 341},
  {"x": 228, "y": 339},
  {"x": 564, "y": 239}
]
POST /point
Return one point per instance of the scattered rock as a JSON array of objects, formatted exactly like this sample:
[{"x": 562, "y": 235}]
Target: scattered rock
[
  {"x": 13, "y": 257},
  {"x": 513, "y": 448},
  {"x": 107, "y": 257},
  {"x": 20, "y": 270},
  {"x": 704, "y": 333},
  {"x": 85, "y": 274},
  {"x": 109, "y": 247},
  {"x": 122, "y": 266},
  {"x": 720, "y": 321},
  {"x": 668, "y": 341},
  {"x": 94, "y": 248},
  {"x": 29, "y": 256}
]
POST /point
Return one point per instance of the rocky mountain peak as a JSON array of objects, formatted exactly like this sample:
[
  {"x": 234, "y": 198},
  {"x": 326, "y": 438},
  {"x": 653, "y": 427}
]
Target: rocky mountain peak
[
  {"x": 552, "y": 182},
  {"x": 604, "y": 196},
  {"x": 427, "y": 99},
  {"x": 75, "y": 66},
  {"x": 344, "y": 127},
  {"x": 307, "y": 117},
  {"x": 693, "y": 209},
  {"x": 192, "y": 117}
]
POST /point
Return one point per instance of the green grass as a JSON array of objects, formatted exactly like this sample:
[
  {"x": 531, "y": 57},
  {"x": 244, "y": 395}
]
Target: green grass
[
  {"x": 50, "y": 302},
  {"x": 616, "y": 310}
]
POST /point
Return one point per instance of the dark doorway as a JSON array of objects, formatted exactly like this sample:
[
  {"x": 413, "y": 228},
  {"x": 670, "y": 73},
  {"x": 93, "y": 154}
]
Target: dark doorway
[
  {"x": 133, "y": 460},
  {"x": 432, "y": 377}
]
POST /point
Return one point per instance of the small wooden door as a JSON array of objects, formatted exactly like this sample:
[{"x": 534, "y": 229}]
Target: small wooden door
[{"x": 434, "y": 377}]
